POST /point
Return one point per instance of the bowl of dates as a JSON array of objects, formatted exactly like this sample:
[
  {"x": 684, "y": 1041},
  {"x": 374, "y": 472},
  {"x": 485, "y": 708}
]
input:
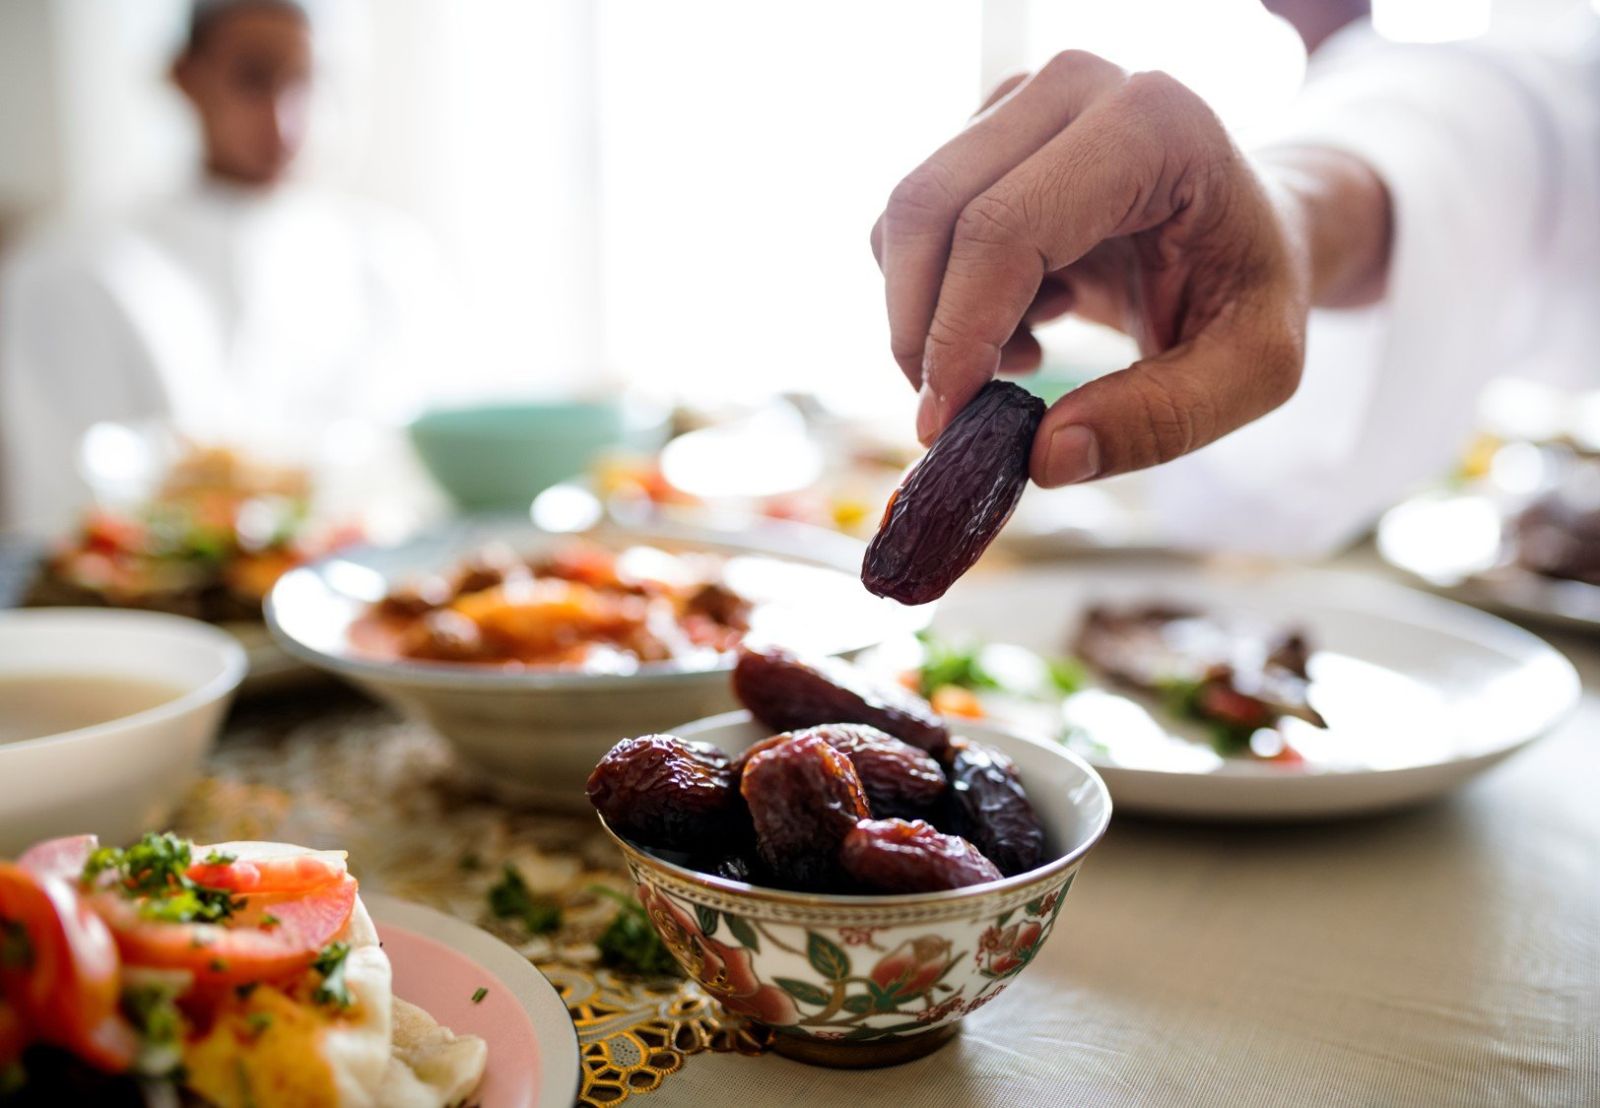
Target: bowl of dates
[{"x": 858, "y": 885}]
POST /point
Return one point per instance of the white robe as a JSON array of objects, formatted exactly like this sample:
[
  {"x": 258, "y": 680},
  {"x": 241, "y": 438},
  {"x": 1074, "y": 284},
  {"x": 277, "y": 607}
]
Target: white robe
[
  {"x": 233, "y": 314},
  {"x": 1492, "y": 158}
]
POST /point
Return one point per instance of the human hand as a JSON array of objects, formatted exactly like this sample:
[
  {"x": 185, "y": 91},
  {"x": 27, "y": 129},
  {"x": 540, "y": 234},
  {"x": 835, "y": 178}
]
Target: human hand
[{"x": 1121, "y": 198}]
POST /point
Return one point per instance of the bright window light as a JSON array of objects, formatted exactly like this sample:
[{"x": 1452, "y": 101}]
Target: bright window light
[{"x": 1430, "y": 20}]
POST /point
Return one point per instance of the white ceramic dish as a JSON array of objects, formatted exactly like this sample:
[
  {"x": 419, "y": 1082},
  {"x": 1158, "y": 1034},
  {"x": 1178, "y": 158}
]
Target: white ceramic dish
[
  {"x": 121, "y": 778},
  {"x": 539, "y": 732},
  {"x": 1421, "y": 694},
  {"x": 441, "y": 962},
  {"x": 860, "y": 981},
  {"x": 1454, "y": 543}
]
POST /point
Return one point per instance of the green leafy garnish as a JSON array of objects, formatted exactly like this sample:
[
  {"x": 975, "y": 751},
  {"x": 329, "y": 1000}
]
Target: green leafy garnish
[
  {"x": 946, "y": 663},
  {"x": 630, "y": 942},
  {"x": 330, "y": 964},
  {"x": 156, "y": 868},
  {"x": 152, "y": 1009},
  {"x": 510, "y": 898},
  {"x": 258, "y": 1022},
  {"x": 219, "y": 858},
  {"x": 16, "y": 949},
  {"x": 1181, "y": 697},
  {"x": 1067, "y": 675},
  {"x": 477, "y": 997}
]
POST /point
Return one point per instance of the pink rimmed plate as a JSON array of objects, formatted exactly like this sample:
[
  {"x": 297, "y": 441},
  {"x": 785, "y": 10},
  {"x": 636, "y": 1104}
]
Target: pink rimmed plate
[{"x": 441, "y": 962}]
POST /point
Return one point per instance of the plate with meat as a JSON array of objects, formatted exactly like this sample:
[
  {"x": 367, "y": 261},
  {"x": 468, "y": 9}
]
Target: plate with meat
[
  {"x": 1204, "y": 693},
  {"x": 1523, "y": 539},
  {"x": 533, "y": 650},
  {"x": 206, "y": 540}
]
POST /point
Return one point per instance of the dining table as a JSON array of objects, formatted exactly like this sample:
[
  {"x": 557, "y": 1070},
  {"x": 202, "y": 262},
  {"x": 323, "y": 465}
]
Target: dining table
[{"x": 1447, "y": 954}]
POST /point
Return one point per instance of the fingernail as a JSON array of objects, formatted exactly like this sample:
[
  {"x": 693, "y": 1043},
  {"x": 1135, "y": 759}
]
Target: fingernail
[
  {"x": 927, "y": 414},
  {"x": 1072, "y": 456}
]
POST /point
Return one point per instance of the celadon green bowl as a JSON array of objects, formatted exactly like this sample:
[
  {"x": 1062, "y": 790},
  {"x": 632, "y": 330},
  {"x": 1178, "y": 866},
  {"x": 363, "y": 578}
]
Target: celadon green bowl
[{"x": 502, "y": 455}]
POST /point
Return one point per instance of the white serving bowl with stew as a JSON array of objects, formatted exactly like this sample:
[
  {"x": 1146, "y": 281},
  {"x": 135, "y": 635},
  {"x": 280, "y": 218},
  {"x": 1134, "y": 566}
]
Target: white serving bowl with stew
[
  {"x": 105, "y": 718},
  {"x": 536, "y": 731},
  {"x": 863, "y": 981}
]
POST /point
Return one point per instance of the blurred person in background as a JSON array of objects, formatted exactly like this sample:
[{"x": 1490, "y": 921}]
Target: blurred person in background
[
  {"x": 1429, "y": 220},
  {"x": 250, "y": 306}
]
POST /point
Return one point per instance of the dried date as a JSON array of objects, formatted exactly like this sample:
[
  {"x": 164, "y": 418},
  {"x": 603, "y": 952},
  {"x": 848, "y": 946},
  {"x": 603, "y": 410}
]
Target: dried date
[
  {"x": 663, "y": 792},
  {"x": 894, "y": 856},
  {"x": 986, "y": 805},
  {"x": 956, "y": 499},
  {"x": 804, "y": 798},
  {"x": 787, "y": 692},
  {"x": 898, "y": 778}
]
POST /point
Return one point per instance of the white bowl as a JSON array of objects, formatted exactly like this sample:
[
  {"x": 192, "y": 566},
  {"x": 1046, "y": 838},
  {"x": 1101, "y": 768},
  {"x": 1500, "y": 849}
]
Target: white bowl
[
  {"x": 124, "y": 777},
  {"x": 859, "y": 981},
  {"x": 537, "y": 733}
]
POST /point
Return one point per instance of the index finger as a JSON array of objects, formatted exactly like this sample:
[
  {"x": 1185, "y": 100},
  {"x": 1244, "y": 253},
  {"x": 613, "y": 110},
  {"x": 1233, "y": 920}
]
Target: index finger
[
  {"x": 1098, "y": 179},
  {"x": 914, "y": 239}
]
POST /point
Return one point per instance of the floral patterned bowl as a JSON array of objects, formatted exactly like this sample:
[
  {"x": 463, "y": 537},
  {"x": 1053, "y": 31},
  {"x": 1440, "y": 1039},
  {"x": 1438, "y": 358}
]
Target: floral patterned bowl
[{"x": 860, "y": 981}]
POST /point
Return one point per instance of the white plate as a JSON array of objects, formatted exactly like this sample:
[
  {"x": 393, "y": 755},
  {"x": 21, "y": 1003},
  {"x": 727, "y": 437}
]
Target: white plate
[
  {"x": 546, "y": 1077},
  {"x": 1453, "y": 542},
  {"x": 1420, "y": 693}
]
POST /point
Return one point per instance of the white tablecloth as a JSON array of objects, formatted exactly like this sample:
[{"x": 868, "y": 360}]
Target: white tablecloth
[{"x": 1444, "y": 956}]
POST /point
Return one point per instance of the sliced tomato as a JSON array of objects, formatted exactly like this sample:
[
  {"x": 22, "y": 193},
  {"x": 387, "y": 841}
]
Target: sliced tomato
[
  {"x": 262, "y": 868},
  {"x": 63, "y": 973},
  {"x": 276, "y": 936}
]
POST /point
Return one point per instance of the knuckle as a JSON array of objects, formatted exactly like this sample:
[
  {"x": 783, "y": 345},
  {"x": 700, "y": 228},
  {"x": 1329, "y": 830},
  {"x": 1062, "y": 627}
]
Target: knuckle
[
  {"x": 990, "y": 221},
  {"x": 1156, "y": 87},
  {"x": 1078, "y": 64},
  {"x": 1283, "y": 363},
  {"x": 926, "y": 196}
]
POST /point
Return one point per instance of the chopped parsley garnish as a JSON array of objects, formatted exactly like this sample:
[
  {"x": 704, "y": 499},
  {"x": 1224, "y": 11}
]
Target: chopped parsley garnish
[
  {"x": 945, "y": 663},
  {"x": 220, "y": 858},
  {"x": 16, "y": 949},
  {"x": 477, "y": 997},
  {"x": 156, "y": 868},
  {"x": 510, "y": 898},
  {"x": 258, "y": 1022},
  {"x": 152, "y": 1009},
  {"x": 630, "y": 942},
  {"x": 269, "y": 921},
  {"x": 330, "y": 964}
]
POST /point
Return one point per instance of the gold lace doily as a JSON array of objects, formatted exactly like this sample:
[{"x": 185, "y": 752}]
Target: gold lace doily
[{"x": 351, "y": 777}]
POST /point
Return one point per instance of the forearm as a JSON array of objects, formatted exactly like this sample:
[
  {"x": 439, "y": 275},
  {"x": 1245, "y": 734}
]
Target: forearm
[{"x": 1338, "y": 211}]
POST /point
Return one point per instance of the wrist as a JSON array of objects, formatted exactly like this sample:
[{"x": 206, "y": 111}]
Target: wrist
[{"x": 1335, "y": 210}]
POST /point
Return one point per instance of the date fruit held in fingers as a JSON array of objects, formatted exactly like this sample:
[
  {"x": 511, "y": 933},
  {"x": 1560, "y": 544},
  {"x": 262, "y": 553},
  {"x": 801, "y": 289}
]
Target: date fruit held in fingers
[{"x": 955, "y": 500}]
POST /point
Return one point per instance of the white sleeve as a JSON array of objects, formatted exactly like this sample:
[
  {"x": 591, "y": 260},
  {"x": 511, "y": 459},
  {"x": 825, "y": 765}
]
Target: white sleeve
[
  {"x": 69, "y": 357},
  {"x": 1492, "y": 162}
]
